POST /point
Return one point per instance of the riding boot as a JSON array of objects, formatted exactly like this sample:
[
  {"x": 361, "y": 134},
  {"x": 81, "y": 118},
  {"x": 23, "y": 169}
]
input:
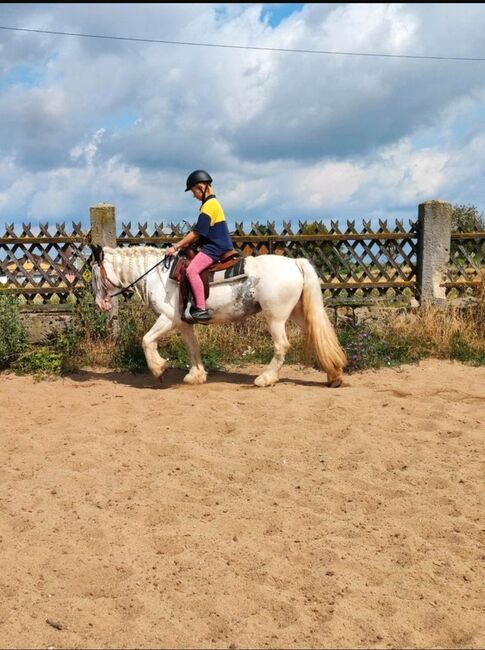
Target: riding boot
[{"x": 200, "y": 315}]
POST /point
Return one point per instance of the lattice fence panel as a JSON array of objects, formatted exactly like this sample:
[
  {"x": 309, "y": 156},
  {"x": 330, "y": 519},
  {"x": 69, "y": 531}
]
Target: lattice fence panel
[
  {"x": 161, "y": 234},
  {"x": 467, "y": 262},
  {"x": 369, "y": 262},
  {"x": 46, "y": 267},
  {"x": 352, "y": 262}
]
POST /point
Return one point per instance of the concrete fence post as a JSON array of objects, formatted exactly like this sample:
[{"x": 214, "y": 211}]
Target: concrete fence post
[
  {"x": 103, "y": 232},
  {"x": 434, "y": 242},
  {"x": 103, "y": 224}
]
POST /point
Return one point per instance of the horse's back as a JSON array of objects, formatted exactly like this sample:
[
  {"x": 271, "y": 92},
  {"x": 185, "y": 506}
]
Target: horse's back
[
  {"x": 272, "y": 267},
  {"x": 277, "y": 277}
]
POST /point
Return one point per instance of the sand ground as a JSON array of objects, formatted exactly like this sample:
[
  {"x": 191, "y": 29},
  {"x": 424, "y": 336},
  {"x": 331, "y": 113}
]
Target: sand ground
[{"x": 230, "y": 516}]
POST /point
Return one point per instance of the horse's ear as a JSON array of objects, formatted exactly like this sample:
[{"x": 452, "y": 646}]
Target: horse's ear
[{"x": 97, "y": 252}]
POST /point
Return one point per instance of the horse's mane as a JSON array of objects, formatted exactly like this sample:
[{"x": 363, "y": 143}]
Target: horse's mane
[
  {"x": 131, "y": 262},
  {"x": 133, "y": 251}
]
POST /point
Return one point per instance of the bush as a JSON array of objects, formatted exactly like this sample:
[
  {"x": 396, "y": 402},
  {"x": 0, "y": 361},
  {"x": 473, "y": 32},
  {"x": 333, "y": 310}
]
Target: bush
[
  {"x": 39, "y": 361},
  {"x": 371, "y": 348},
  {"x": 88, "y": 320},
  {"x": 462, "y": 350},
  {"x": 134, "y": 320},
  {"x": 12, "y": 332},
  {"x": 87, "y": 339}
]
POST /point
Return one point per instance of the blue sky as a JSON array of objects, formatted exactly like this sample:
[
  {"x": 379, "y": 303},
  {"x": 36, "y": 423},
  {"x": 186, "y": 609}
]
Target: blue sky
[
  {"x": 286, "y": 135},
  {"x": 275, "y": 13}
]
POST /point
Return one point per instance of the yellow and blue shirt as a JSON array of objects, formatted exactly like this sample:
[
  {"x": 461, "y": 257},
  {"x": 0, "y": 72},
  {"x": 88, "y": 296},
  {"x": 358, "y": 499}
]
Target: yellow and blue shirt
[{"x": 212, "y": 228}]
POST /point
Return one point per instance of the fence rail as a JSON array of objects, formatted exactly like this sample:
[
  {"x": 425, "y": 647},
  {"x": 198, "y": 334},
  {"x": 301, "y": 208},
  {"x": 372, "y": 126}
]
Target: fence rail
[{"x": 354, "y": 262}]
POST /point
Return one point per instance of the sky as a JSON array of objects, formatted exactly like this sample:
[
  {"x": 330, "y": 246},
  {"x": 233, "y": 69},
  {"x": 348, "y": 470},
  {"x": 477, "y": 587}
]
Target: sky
[{"x": 329, "y": 133}]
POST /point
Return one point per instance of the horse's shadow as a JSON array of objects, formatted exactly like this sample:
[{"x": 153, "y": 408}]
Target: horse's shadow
[{"x": 174, "y": 378}]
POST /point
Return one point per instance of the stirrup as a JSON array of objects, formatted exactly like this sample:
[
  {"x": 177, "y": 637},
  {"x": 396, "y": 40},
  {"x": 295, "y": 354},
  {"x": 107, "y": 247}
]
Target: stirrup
[{"x": 187, "y": 316}]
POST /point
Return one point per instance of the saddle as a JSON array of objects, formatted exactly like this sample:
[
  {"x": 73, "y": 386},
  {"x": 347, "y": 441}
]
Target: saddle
[{"x": 232, "y": 263}]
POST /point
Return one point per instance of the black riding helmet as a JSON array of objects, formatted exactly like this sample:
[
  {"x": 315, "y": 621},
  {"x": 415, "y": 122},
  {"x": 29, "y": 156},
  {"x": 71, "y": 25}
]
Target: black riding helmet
[{"x": 199, "y": 176}]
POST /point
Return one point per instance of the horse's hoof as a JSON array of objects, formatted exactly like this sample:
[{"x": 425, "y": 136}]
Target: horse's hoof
[
  {"x": 336, "y": 383},
  {"x": 195, "y": 378},
  {"x": 263, "y": 381}
]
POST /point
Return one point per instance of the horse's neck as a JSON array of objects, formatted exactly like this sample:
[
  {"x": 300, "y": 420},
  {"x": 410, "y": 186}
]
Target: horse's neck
[{"x": 131, "y": 265}]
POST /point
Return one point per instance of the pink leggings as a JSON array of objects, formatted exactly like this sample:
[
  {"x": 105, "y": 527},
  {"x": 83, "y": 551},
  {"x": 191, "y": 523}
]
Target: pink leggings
[{"x": 200, "y": 262}]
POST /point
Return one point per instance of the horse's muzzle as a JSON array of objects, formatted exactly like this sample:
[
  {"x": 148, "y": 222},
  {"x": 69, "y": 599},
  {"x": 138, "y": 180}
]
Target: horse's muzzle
[{"x": 104, "y": 304}]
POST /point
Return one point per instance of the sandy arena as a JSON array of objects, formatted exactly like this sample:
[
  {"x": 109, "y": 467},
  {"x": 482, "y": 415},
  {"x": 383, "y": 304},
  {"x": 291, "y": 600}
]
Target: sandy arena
[{"x": 230, "y": 516}]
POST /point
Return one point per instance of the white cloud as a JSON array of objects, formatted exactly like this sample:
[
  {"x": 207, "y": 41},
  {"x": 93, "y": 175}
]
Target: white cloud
[
  {"x": 329, "y": 185},
  {"x": 284, "y": 135},
  {"x": 88, "y": 151}
]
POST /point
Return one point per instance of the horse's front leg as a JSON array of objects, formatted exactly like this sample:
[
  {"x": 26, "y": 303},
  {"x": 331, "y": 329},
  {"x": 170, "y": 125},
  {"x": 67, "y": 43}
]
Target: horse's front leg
[
  {"x": 197, "y": 373},
  {"x": 155, "y": 362}
]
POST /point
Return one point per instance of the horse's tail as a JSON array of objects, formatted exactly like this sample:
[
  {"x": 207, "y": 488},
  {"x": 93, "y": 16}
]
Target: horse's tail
[{"x": 320, "y": 333}]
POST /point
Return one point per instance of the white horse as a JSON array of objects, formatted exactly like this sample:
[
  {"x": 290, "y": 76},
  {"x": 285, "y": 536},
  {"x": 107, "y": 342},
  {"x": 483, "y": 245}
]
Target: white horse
[{"x": 279, "y": 287}]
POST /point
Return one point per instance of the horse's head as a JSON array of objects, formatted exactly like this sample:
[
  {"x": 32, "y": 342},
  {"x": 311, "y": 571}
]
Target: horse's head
[{"x": 101, "y": 283}]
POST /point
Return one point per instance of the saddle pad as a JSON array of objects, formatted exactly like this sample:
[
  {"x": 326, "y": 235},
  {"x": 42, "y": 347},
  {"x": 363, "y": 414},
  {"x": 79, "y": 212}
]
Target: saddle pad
[{"x": 235, "y": 271}]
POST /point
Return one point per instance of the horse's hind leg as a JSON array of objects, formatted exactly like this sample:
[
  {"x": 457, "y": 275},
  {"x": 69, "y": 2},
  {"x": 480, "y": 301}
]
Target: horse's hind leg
[
  {"x": 197, "y": 373},
  {"x": 155, "y": 362},
  {"x": 277, "y": 327}
]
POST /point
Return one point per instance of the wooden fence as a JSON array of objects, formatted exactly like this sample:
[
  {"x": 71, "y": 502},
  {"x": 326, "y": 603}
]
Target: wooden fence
[{"x": 356, "y": 263}]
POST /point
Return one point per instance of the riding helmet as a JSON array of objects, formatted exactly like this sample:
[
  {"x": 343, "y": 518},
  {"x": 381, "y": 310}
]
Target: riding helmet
[{"x": 199, "y": 176}]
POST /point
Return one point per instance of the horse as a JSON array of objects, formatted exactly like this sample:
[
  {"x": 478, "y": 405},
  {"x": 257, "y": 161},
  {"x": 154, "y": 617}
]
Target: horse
[{"x": 280, "y": 287}]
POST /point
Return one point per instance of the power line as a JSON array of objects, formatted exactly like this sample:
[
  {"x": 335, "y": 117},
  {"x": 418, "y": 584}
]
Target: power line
[{"x": 245, "y": 47}]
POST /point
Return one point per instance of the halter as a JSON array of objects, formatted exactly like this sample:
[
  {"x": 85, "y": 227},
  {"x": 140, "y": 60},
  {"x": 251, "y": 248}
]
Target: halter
[{"x": 105, "y": 282}]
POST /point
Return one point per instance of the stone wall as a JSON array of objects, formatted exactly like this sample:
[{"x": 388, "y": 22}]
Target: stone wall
[{"x": 41, "y": 322}]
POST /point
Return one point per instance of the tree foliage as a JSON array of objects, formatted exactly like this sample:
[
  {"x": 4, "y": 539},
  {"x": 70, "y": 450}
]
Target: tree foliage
[{"x": 467, "y": 218}]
